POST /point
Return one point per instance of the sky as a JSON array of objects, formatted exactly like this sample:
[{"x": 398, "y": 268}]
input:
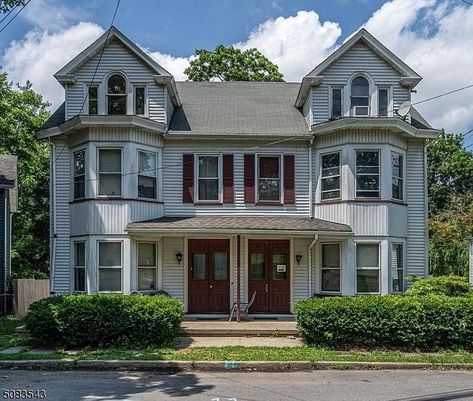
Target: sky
[{"x": 434, "y": 37}]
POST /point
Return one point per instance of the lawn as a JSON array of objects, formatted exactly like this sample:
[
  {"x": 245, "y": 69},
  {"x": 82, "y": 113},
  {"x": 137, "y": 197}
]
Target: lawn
[{"x": 8, "y": 338}]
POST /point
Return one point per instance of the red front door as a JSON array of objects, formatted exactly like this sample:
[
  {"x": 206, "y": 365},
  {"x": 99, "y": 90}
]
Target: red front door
[
  {"x": 209, "y": 276},
  {"x": 268, "y": 264}
]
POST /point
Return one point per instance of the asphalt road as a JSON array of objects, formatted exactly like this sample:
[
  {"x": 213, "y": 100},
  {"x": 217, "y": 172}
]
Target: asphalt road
[{"x": 300, "y": 386}]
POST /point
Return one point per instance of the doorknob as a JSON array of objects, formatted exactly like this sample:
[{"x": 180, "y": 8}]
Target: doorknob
[{"x": 211, "y": 286}]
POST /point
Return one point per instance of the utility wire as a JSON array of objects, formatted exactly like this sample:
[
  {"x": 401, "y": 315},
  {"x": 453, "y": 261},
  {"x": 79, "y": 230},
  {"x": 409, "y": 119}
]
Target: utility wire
[
  {"x": 8, "y": 13},
  {"x": 18, "y": 12},
  {"x": 467, "y": 2}
]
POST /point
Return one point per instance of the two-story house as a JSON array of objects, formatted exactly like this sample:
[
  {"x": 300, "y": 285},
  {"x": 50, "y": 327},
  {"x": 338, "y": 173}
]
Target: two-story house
[{"x": 212, "y": 191}]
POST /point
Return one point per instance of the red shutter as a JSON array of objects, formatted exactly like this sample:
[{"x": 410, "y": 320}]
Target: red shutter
[
  {"x": 289, "y": 193},
  {"x": 228, "y": 189},
  {"x": 187, "y": 178},
  {"x": 249, "y": 178}
]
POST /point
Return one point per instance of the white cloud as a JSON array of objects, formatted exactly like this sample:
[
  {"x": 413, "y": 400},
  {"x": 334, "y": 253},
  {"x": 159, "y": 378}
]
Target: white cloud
[
  {"x": 175, "y": 65},
  {"x": 51, "y": 15},
  {"x": 41, "y": 54}
]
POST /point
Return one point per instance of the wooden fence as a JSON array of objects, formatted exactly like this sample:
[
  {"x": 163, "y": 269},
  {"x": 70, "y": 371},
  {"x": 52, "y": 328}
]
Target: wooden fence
[{"x": 27, "y": 291}]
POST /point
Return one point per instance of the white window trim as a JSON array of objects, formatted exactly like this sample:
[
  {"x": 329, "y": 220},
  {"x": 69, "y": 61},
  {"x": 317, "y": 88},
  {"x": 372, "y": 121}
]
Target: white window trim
[
  {"x": 339, "y": 175},
  {"x": 146, "y": 105},
  {"x": 109, "y": 173},
  {"x": 330, "y": 100},
  {"x": 403, "y": 245},
  {"x": 74, "y": 266},
  {"x": 121, "y": 267},
  {"x": 371, "y": 89},
  {"x": 74, "y": 173},
  {"x": 331, "y": 268},
  {"x": 138, "y": 150},
  {"x": 390, "y": 100},
  {"x": 128, "y": 92},
  {"x": 138, "y": 267},
  {"x": 379, "y": 174},
  {"x": 281, "y": 178},
  {"x": 403, "y": 192},
  {"x": 378, "y": 243},
  {"x": 197, "y": 178}
]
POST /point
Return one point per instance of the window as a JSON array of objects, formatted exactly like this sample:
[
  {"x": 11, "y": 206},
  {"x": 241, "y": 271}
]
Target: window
[
  {"x": 79, "y": 267},
  {"x": 331, "y": 267},
  {"x": 140, "y": 100},
  {"x": 397, "y": 179},
  {"x": 257, "y": 266},
  {"x": 93, "y": 100},
  {"x": 269, "y": 179},
  {"x": 147, "y": 266},
  {"x": 110, "y": 266},
  {"x": 147, "y": 174},
  {"x": 383, "y": 102},
  {"x": 116, "y": 95},
  {"x": 79, "y": 174},
  {"x": 367, "y": 268},
  {"x": 330, "y": 176},
  {"x": 397, "y": 268},
  {"x": 208, "y": 186},
  {"x": 110, "y": 172},
  {"x": 367, "y": 174},
  {"x": 279, "y": 268},
  {"x": 360, "y": 96},
  {"x": 336, "y": 102}
]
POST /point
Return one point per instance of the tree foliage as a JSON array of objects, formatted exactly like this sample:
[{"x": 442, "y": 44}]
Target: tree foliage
[
  {"x": 7, "y": 5},
  {"x": 231, "y": 64},
  {"x": 22, "y": 113}
]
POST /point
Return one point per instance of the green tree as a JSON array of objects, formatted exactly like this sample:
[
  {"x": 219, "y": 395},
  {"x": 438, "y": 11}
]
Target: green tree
[
  {"x": 22, "y": 113},
  {"x": 7, "y": 5},
  {"x": 231, "y": 64}
]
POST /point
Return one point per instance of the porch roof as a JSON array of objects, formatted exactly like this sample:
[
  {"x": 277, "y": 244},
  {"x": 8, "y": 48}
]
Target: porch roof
[{"x": 239, "y": 225}]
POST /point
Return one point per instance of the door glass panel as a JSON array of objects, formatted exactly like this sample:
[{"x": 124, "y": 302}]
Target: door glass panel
[
  {"x": 220, "y": 265},
  {"x": 198, "y": 268},
  {"x": 257, "y": 266},
  {"x": 280, "y": 266}
]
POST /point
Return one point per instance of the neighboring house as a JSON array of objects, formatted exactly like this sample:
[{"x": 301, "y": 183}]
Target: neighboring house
[
  {"x": 8, "y": 206},
  {"x": 210, "y": 190}
]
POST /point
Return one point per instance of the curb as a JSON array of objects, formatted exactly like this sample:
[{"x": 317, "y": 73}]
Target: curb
[{"x": 224, "y": 366}]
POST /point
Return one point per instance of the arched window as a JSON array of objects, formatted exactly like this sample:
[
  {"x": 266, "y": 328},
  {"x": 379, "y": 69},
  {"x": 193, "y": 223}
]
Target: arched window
[
  {"x": 116, "y": 94},
  {"x": 360, "y": 92}
]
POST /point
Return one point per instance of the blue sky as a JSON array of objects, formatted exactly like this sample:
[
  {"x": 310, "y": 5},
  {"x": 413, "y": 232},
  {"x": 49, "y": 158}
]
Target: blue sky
[{"x": 432, "y": 36}]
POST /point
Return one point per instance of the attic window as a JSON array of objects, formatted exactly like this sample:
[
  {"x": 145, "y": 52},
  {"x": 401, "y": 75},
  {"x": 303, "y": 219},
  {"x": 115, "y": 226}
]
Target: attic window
[
  {"x": 360, "y": 96},
  {"x": 116, "y": 95}
]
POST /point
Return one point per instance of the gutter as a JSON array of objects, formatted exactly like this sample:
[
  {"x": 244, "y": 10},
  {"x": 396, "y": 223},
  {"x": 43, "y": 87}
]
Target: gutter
[
  {"x": 311, "y": 203},
  {"x": 242, "y": 231}
]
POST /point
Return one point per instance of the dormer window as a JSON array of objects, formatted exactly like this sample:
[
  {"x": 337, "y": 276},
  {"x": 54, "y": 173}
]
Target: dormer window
[
  {"x": 116, "y": 94},
  {"x": 360, "y": 96}
]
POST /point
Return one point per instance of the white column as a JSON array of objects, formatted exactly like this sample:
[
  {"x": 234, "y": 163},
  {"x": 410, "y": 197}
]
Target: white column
[
  {"x": 384, "y": 267},
  {"x": 348, "y": 274},
  {"x": 471, "y": 263}
]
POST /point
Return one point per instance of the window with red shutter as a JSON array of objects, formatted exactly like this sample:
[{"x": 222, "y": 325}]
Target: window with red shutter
[
  {"x": 289, "y": 180},
  {"x": 228, "y": 186},
  {"x": 249, "y": 178},
  {"x": 187, "y": 178}
]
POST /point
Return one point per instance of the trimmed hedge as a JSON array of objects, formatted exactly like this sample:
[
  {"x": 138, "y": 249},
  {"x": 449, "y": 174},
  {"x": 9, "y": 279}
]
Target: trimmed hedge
[
  {"x": 406, "y": 322},
  {"x": 441, "y": 285},
  {"x": 105, "y": 320}
]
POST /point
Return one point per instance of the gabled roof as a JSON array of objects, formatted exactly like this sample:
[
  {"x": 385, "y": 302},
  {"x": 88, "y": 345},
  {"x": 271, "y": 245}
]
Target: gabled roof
[
  {"x": 8, "y": 171},
  {"x": 409, "y": 77}
]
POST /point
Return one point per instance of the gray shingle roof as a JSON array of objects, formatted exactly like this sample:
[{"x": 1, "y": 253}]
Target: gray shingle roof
[
  {"x": 8, "y": 170},
  {"x": 57, "y": 118},
  {"x": 226, "y": 108},
  {"x": 240, "y": 223}
]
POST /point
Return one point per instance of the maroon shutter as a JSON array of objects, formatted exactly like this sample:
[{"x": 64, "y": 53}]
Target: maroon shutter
[
  {"x": 187, "y": 178},
  {"x": 228, "y": 190},
  {"x": 289, "y": 193},
  {"x": 249, "y": 178}
]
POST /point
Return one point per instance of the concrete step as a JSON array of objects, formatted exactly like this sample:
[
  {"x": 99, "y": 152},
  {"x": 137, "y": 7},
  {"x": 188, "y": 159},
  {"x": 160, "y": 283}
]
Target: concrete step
[
  {"x": 22, "y": 331},
  {"x": 247, "y": 341},
  {"x": 234, "y": 329}
]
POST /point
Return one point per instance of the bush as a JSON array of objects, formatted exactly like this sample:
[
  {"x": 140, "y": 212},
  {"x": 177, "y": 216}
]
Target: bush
[
  {"x": 407, "y": 322},
  {"x": 442, "y": 285},
  {"x": 104, "y": 320}
]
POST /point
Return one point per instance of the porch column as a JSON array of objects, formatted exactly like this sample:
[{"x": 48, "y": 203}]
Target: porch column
[
  {"x": 238, "y": 275},
  {"x": 471, "y": 263},
  {"x": 348, "y": 267}
]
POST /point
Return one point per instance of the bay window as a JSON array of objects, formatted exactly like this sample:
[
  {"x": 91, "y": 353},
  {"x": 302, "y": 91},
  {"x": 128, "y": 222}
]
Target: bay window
[
  {"x": 330, "y": 176},
  {"x": 110, "y": 172},
  {"x": 330, "y": 267},
  {"x": 397, "y": 175},
  {"x": 397, "y": 268},
  {"x": 367, "y": 174},
  {"x": 147, "y": 173},
  {"x": 367, "y": 268},
  {"x": 147, "y": 266},
  {"x": 208, "y": 178},
  {"x": 79, "y": 174},
  {"x": 110, "y": 266},
  {"x": 269, "y": 179},
  {"x": 79, "y": 267}
]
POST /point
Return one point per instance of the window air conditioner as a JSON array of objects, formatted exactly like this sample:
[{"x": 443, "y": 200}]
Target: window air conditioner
[{"x": 361, "y": 111}]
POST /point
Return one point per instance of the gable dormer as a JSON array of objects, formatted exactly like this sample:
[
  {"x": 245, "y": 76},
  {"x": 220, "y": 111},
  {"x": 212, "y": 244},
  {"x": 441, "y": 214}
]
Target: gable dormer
[
  {"x": 113, "y": 76},
  {"x": 362, "y": 78}
]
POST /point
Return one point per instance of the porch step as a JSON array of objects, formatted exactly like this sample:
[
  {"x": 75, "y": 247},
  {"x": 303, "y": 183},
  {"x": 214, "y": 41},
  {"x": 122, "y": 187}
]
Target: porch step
[{"x": 242, "y": 329}]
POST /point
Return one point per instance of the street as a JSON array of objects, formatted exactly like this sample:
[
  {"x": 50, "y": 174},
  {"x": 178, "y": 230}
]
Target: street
[{"x": 254, "y": 386}]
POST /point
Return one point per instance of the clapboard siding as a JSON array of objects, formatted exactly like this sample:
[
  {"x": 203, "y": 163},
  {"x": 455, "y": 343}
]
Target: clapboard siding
[
  {"x": 173, "y": 273},
  {"x": 300, "y": 272},
  {"x": 361, "y": 136},
  {"x": 417, "y": 239},
  {"x": 172, "y": 180},
  {"x": 359, "y": 58},
  {"x": 4, "y": 232},
  {"x": 116, "y": 57}
]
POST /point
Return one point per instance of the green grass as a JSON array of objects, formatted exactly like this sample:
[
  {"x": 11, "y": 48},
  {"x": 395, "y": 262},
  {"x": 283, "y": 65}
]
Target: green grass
[{"x": 8, "y": 338}]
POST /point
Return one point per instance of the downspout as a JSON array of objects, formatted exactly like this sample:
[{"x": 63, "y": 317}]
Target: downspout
[
  {"x": 238, "y": 276},
  {"x": 316, "y": 237},
  {"x": 311, "y": 201},
  {"x": 52, "y": 211}
]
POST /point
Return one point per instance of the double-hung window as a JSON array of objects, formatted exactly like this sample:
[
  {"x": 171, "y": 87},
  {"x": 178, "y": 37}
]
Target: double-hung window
[
  {"x": 110, "y": 172},
  {"x": 93, "y": 99},
  {"x": 397, "y": 175},
  {"x": 110, "y": 266},
  {"x": 397, "y": 268},
  {"x": 269, "y": 179},
  {"x": 147, "y": 266},
  {"x": 208, "y": 178},
  {"x": 140, "y": 100},
  {"x": 116, "y": 95},
  {"x": 330, "y": 267},
  {"x": 336, "y": 111},
  {"x": 79, "y": 174},
  {"x": 383, "y": 101},
  {"x": 330, "y": 176},
  {"x": 367, "y": 174},
  {"x": 367, "y": 268},
  {"x": 360, "y": 96},
  {"x": 79, "y": 266},
  {"x": 147, "y": 173}
]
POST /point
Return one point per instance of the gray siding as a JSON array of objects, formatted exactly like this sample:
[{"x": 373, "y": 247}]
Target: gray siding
[
  {"x": 4, "y": 232},
  {"x": 173, "y": 273}
]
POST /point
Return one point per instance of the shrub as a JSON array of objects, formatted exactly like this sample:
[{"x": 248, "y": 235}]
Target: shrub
[
  {"x": 442, "y": 285},
  {"x": 104, "y": 320},
  {"x": 408, "y": 322}
]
